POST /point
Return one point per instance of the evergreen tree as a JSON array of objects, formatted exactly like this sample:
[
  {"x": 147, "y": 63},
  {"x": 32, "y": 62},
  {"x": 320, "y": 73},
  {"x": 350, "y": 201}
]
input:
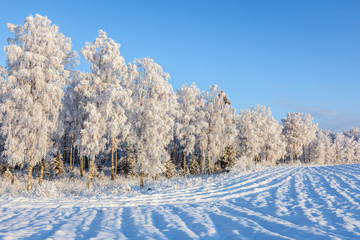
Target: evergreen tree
[
  {"x": 194, "y": 165},
  {"x": 170, "y": 169},
  {"x": 57, "y": 165}
]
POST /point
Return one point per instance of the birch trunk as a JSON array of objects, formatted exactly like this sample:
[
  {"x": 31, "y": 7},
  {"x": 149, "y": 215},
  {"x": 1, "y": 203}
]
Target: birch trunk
[
  {"x": 209, "y": 167},
  {"x": 71, "y": 151},
  {"x": 64, "y": 153},
  {"x": 201, "y": 162},
  {"x": 91, "y": 172},
  {"x": 141, "y": 180},
  {"x": 174, "y": 151},
  {"x": 41, "y": 173},
  {"x": 184, "y": 164},
  {"x": 29, "y": 178},
  {"x": 126, "y": 160},
  {"x": 81, "y": 164},
  {"x": 116, "y": 161},
  {"x": 112, "y": 163}
]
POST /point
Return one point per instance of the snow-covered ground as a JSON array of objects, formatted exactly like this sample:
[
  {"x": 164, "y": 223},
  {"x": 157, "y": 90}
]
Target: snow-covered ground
[{"x": 274, "y": 203}]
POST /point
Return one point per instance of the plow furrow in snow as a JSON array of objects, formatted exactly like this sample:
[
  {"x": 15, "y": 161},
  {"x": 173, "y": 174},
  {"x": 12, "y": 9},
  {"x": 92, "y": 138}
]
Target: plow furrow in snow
[{"x": 277, "y": 203}]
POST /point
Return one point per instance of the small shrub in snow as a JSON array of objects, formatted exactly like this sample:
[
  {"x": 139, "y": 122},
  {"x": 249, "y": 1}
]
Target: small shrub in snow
[
  {"x": 101, "y": 175},
  {"x": 242, "y": 163},
  {"x": 126, "y": 188},
  {"x": 8, "y": 174},
  {"x": 47, "y": 189}
]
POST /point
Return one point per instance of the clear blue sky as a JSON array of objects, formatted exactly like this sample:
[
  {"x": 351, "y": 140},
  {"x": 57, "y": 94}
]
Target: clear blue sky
[{"x": 292, "y": 56}]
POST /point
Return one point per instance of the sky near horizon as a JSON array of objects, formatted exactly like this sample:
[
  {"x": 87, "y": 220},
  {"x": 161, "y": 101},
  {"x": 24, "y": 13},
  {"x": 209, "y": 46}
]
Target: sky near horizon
[{"x": 291, "y": 56}]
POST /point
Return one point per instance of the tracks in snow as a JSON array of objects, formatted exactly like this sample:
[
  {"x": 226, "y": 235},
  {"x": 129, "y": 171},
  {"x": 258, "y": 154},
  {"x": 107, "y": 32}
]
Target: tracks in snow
[{"x": 278, "y": 203}]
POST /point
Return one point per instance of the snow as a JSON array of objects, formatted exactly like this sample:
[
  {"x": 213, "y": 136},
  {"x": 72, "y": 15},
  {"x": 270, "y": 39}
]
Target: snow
[{"x": 299, "y": 202}]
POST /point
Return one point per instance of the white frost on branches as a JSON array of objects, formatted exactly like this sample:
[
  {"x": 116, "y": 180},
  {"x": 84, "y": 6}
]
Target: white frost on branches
[
  {"x": 153, "y": 105},
  {"x": 37, "y": 57}
]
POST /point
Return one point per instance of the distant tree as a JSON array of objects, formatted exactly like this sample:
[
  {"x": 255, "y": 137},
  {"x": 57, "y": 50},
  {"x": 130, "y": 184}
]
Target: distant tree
[
  {"x": 354, "y": 132},
  {"x": 37, "y": 60},
  {"x": 319, "y": 147},
  {"x": 339, "y": 148},
  {"x": 260, "y": 135},
  {"x": 357, "y": 152},
  {"x": 190, "y": 119},
  {"x": 299, "y": 132}
]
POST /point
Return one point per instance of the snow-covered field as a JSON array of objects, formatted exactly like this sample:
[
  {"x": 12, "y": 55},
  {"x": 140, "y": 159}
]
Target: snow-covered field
[{"x": 274, "y": 203}]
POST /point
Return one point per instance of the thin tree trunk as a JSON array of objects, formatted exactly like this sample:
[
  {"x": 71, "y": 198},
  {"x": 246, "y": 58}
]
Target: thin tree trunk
[
  {"x": 112, "y": 163},
  {"x": 91, "y": 172},
  {"x": 41, "y": 173},
  {"x": 199, "y": 161},
  {"x": 29, "y": 178},
  {"x": 184, "y": 164},
  {"x": 209, "y": 167},
  {"x": 141, "y": 180},
  {"x": 86, "y": 162},
  {"x": 304, "y": 159},
  {"x": 174, "y": 152},
  {"x": 13, "y": 176},
  {"x": 81, "y": 163},
  {"x": 64, "y": 153},
  {"x": 71, "y": 151},
  {"x": 116, "y": 161}
]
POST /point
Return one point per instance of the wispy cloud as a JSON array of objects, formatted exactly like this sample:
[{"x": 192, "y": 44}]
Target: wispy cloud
[{"x": 330, "y": 119}]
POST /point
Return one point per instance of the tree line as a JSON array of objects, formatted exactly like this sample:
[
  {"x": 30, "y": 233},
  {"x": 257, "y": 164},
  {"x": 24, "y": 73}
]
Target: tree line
[{"x": 127, "y": 117}]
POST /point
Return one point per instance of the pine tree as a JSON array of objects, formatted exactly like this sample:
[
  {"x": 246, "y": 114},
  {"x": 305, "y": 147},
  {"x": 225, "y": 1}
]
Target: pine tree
[
  {"x": 194, "y": 165},
  {"x": 229, "y": 158},
  {"x": 58, "y": 165},
  {"x": 170, "y": 169}
]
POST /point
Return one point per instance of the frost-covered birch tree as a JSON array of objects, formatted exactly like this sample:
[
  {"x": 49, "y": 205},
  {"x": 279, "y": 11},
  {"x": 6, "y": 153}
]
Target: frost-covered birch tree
[
  {"x": 260, "y": 135},
  {"x": 37, "y": 57},
  {"x": 320, "y": 147},
  {"x": 153, "y": 104},
  {"x": 220, "y": 129},
  {"x": 299, "y": 132},
  {"x": 106, "y": 99},
  {"x": 190, "y": 120}
]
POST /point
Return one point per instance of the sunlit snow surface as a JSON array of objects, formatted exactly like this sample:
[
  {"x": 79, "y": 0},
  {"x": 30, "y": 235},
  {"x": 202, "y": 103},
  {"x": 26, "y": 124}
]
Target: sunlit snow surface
[{"x": 275, "y": 203}]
